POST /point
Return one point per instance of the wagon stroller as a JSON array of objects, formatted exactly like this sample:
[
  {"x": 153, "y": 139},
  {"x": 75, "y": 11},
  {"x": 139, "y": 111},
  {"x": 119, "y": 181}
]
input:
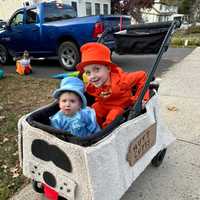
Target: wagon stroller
[{"x": 103, "y": 167}]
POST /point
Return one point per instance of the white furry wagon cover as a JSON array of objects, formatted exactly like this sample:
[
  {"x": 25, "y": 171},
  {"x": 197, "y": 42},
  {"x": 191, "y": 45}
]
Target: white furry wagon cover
[{"x": 100, "y": 171}]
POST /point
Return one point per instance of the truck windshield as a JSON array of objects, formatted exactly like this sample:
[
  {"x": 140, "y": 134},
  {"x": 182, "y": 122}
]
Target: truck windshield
[{"x": 58, "y": 11}]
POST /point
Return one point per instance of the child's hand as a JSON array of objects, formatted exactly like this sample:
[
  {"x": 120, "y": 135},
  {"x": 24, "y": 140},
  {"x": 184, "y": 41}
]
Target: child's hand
[
  {"x": 143, "y": 104},
  {"x": 15, "y": 59}
]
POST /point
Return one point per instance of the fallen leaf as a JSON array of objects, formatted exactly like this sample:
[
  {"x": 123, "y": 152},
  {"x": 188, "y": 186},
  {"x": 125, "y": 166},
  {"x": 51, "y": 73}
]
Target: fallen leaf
[
  {"x": 16, "y": 153},
  {"x": 14, "y": 171},
  {"x": 4, "y": 166},
  {"x": 172, "y": 108},
  {"x": 5, "y": 139},
  {"x": 2, "y": 118}
]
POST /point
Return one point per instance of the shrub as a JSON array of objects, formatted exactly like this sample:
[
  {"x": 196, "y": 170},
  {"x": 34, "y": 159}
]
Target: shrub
[
  {"x": 180, "y": 41},
  {"x": 193, "y": 29},
  {"x": 177, "y": 41},
  {"x": 196, "y": 41}
]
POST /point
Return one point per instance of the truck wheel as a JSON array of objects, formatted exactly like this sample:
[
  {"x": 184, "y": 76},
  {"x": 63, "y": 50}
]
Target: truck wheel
[
  {"x": 158, "y": 159},
  {"x": 37, "y": 187},
  {"x": 4, "y": 55},
  {"x": 68, "y": 55}
]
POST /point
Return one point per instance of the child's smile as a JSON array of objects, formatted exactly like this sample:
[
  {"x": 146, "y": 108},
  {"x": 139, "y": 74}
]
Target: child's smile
[
  {"x": 97, "y": 74},
  {"x": 97, "y": 82}
]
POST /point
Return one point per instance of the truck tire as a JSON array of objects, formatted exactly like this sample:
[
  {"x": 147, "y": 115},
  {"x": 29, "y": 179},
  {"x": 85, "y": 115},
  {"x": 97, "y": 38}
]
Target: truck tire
[
  {"x": 68, "y": 55},
  {"x": 4, "y": 55}
]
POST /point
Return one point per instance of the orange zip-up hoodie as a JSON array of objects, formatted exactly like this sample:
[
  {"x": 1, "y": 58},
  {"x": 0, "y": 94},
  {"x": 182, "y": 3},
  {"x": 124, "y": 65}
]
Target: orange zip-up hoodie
[{"x": 112, "y": 99}]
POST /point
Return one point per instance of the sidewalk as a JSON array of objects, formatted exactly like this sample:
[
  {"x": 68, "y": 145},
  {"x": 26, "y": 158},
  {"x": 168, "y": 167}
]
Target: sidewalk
[{"x": 178, "y": 178}]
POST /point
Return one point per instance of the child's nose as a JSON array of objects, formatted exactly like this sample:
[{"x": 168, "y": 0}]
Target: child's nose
[
  {"x": 67, "y": 103},
  {"x": 92, "y": 75}
]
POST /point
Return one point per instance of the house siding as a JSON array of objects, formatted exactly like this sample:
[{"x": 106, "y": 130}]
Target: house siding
[
  {"x": 160, "y": 12},
  {"x": 7, "y": 7},
  {"x": 81, "y": 6}
]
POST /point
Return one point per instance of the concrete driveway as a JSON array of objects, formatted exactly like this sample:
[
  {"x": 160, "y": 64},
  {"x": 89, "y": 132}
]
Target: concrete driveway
[{"x": 178, "y": 178}]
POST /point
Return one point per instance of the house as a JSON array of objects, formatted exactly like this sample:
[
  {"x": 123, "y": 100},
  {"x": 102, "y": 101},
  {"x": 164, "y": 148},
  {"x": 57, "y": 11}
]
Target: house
[
  {"x": 83, "y": 7},
  {"x": 160, "y": 12},
  {"x": 90, "y": 7},
  {"x": 7, "y": 7}
]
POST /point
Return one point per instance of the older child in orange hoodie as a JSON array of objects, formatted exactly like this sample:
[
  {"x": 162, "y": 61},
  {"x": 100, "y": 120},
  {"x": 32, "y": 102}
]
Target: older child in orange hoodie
[{"x": 109, "y": 84}]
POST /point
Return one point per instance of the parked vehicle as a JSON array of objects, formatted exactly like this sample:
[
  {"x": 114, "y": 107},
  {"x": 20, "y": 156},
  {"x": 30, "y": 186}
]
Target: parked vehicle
[
  {"x": 185, "y": 25},
  {"x": 52, "y": 29},
  {"x": 2, "y": 23}
]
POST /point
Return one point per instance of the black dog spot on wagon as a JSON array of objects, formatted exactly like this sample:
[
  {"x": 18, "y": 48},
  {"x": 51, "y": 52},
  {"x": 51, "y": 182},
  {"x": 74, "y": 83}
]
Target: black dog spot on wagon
[
  {"x": 44, "y": 151},
  {"x": 49, "y": 179}
]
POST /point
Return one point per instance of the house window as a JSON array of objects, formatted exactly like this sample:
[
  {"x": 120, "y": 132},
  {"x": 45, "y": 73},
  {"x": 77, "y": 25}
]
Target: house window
[
  {"x": 88, "y": 8},
  {"x": 74, "y": 5},
  {"x": 105, "y": 9},
  {"x": 97, "y": 9}
]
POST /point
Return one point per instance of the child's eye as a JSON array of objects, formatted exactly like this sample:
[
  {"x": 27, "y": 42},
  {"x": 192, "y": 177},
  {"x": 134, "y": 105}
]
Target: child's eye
[
  {"x": 87, "y": 73},
  {"x": 96, "y": 69},
  {"x": 72, "y": 101}
]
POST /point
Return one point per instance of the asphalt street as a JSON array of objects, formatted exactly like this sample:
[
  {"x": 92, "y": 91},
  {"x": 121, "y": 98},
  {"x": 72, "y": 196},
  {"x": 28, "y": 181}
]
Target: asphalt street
[
  {"x": 47, "y": 68},
  {"x": 178, "y": 178}
]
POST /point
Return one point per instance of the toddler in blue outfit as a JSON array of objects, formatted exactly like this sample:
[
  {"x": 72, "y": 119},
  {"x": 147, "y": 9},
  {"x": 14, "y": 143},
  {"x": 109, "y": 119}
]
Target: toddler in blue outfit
[{"x": 74, "y": 116}]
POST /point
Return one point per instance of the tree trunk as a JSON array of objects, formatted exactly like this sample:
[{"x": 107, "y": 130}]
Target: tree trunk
[{"x": 137, "y": 15}]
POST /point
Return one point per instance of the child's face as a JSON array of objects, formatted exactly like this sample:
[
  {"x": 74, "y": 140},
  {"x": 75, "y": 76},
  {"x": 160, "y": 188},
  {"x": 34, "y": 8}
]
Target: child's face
[
  {"x": 26, "y": 54},
  {"x": 69, "y": 103},
  {"x": 97, "y": 74}
]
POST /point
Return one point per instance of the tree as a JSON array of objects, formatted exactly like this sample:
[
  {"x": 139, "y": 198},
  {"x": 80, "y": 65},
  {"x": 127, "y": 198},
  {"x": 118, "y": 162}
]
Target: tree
[
  {"x": 185, "y": 7},
  {"x": 190, "y": 8},
  {"x": 132, "y": 7},
  {"x": 170, "y": 2},
  {"x": 195, "y": 11}
]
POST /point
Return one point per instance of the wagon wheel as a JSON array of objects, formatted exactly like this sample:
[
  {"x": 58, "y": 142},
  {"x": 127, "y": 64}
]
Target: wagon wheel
[
  {"x": 61, "y": 198},
  {"x": 158, "y": 158},
  {"x": 37, "y": 187}
]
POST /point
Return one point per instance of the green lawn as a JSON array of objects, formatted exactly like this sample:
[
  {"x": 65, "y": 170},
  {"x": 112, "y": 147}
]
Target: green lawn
[
  {"x": 182, "y": 38},
  {"x": 19, "y": 95}
]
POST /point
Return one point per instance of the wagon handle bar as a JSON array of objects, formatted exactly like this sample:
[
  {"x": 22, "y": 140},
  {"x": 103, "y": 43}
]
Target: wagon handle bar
[
  {"x": 115, "y": 29},
  {"x": 137, "y": 108}
]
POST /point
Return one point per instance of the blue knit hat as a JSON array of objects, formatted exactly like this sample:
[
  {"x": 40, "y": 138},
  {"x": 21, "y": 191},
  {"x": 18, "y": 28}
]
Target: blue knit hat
[{"x": 71, "y": 84}]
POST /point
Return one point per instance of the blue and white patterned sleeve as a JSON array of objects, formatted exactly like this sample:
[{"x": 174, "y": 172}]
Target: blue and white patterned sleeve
[
  {"x": 90, "y": 120},
  {"x": 55, "y": 121}
]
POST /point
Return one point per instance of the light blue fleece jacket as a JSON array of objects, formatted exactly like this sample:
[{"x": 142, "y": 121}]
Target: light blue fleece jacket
[{"x": 81, "y": 124}]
